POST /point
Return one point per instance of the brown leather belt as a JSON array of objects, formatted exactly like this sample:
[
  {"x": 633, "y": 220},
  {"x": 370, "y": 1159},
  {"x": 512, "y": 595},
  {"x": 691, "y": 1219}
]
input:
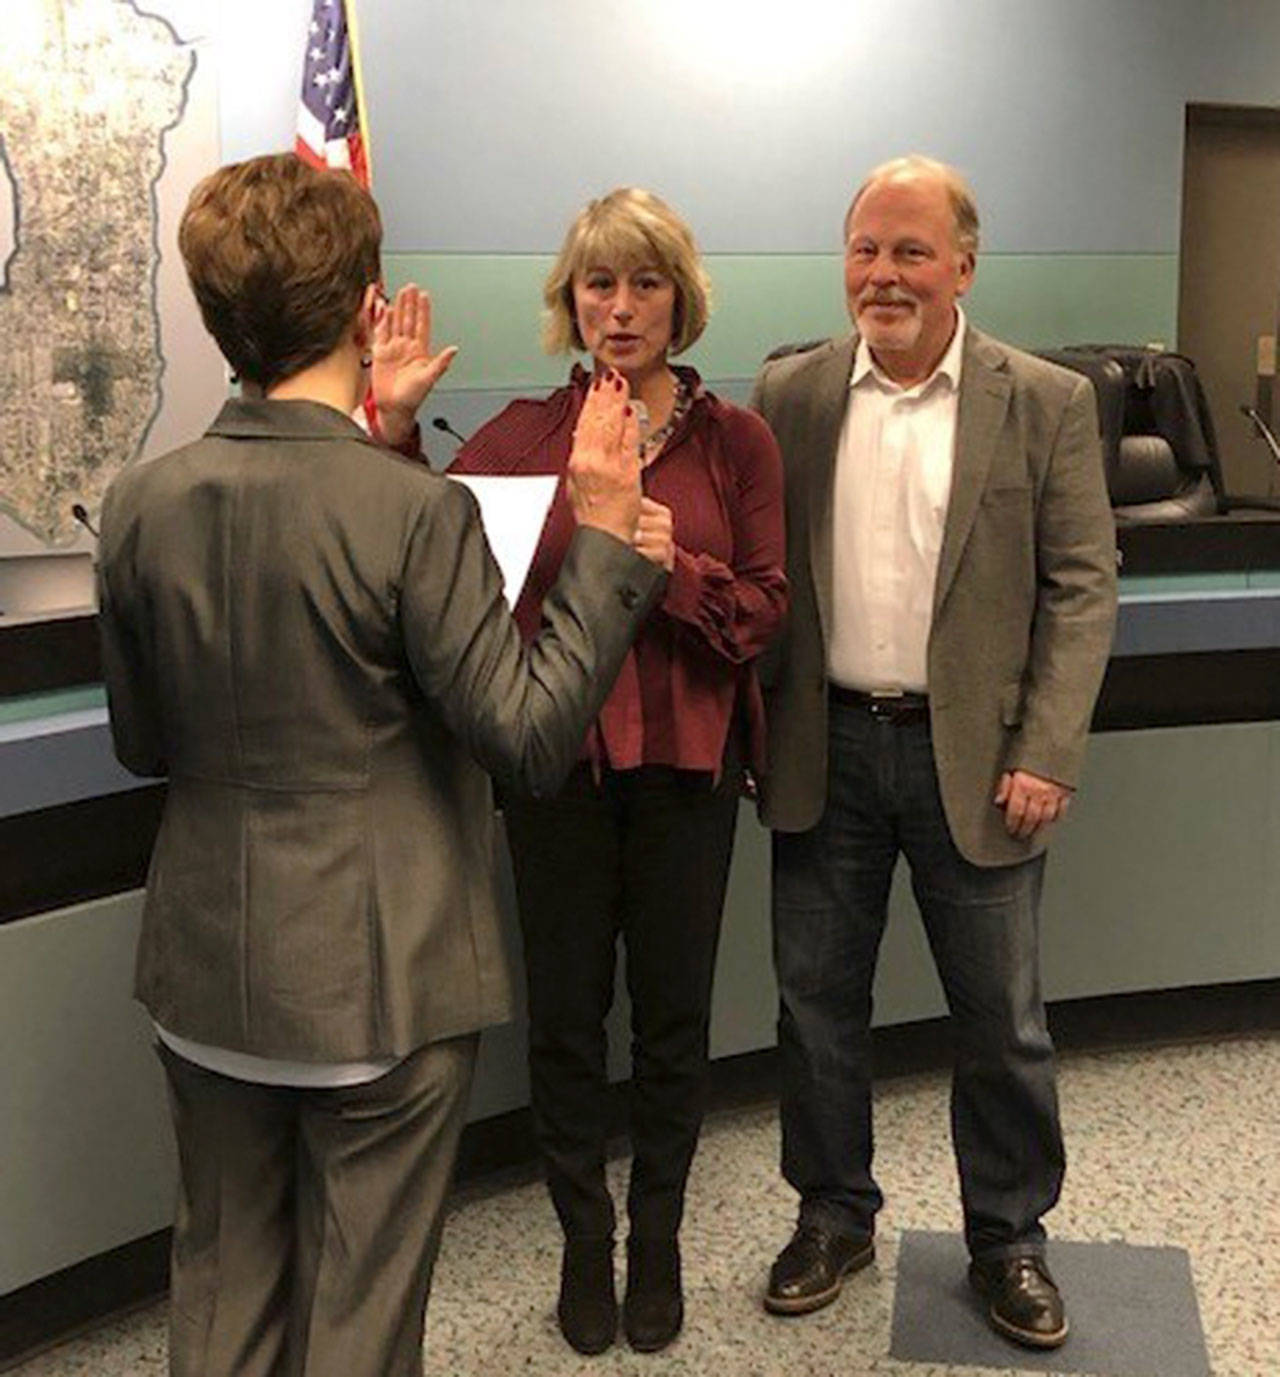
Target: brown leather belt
[{"x": 898, "y": 709}]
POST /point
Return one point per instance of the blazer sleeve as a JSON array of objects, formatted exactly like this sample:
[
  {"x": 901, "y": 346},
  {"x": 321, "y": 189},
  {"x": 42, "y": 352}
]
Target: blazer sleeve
[
  {"x": 128, "y": 669},
  {"x": 1075, "y": 600},
  {"x": 521, "y": 711},
  {"x": 735, "y": 609}
]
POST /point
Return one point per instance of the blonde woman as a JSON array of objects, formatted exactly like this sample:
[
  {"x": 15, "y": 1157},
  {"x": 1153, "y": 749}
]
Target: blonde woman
[{"x": 637, "y": 844}]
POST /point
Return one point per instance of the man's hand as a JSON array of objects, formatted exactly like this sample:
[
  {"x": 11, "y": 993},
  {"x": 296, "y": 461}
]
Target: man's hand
[
  {"x": 404, "y": 368},
  {"x": 1030, "y": 802},
  {"x": 604, "y": 467},
  {"x": 655, "y": 534}
]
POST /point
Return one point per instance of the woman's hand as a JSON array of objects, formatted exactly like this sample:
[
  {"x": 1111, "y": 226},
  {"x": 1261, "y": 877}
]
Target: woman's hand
[
  {"x": 404, "y": 368},
  {"x": 604, "y": 468},
  {"x": 655, "y": 534}
]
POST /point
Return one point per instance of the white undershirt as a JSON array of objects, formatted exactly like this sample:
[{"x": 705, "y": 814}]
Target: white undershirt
[
  {"x": 301, "y": 1075},
  {"x": 892, "y": 486}
]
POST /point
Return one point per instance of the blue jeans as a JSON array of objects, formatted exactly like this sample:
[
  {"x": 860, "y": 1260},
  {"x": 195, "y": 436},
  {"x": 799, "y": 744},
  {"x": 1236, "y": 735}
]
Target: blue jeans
[{"x": 830, "y": 896}]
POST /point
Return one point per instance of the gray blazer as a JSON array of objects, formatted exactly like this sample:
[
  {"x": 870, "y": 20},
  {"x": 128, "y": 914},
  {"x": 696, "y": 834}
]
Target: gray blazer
[
  {"x": 1025, "y": 602},
  {"x": 308, "y": 635}
]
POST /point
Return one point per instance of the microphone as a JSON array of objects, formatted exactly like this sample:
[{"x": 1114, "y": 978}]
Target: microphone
[
  {"x": 81, "y": 514},
  {"x": 1262, "y": 430},
  {"x": 441, "y": 424}
]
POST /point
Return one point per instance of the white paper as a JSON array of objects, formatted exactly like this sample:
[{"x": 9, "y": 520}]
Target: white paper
[{"x": 514, "y": 510}]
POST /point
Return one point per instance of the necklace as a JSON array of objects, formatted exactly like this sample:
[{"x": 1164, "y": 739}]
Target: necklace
[{"x": 654, "y": 441}]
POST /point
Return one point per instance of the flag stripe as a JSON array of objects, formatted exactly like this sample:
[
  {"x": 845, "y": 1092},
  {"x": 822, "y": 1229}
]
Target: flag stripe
[{"x": 329, "y": 133}]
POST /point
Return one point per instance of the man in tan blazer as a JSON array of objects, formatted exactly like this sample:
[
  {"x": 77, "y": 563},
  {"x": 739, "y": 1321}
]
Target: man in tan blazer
[{"x": 952, "y": 564}]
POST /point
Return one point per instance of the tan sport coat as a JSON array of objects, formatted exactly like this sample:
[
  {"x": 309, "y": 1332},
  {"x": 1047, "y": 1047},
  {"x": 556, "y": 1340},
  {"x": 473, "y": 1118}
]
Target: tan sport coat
[
  {"x": 1025, "y": 600},
  {"x": 308, "y": 634}
]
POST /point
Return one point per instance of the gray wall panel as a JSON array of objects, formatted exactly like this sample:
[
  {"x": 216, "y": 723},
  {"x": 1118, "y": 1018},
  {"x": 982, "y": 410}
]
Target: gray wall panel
[
  {"x": 86, "y": 1155},
  {"x": 50, "y": 767},
  {"x": 492, "y": 123},
  {"x": 1164, "y": 625}
]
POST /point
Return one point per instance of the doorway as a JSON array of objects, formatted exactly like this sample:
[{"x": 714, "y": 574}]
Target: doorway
[{"x": 1229, "y": 277}]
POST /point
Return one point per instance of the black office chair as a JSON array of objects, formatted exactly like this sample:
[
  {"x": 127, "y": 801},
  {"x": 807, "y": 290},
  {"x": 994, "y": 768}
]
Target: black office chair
[
  {"x": 1158, "y": 445},
  {"x": 1160, "y": 449}
]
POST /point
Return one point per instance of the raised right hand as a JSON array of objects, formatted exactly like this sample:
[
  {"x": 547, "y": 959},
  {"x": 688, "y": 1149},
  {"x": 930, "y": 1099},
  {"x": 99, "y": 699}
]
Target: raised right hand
[
  {"x": 604, "y": 466},
  {"x": 404, "y": 369}
]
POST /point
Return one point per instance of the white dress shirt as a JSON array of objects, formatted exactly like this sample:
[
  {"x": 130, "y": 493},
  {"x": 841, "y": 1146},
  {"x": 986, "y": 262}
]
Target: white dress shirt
[{"x": 892, "y": 486}]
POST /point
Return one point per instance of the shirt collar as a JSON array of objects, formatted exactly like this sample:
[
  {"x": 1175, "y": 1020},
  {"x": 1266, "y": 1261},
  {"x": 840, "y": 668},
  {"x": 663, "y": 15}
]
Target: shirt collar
[
  {"x": 948, "y": 368},
  {"x": 259, "y": 418}
]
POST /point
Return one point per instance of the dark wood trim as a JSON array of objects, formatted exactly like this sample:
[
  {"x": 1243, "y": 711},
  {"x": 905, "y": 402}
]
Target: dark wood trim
[
  {"x": 53, "y": 857},
  {"x": 53, "y": 653},
  {"x": 1241, "y": 541},
  {"x": 57, "y": 1307},
  {"x": 1248, "y": 116},
  {"x": 1189, "y": 689}
]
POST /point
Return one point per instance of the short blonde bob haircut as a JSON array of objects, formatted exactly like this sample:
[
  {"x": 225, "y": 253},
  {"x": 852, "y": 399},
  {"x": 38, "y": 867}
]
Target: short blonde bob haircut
[
  {"x": 964, "y": 208},
  {"x": 628, "y": 228}
]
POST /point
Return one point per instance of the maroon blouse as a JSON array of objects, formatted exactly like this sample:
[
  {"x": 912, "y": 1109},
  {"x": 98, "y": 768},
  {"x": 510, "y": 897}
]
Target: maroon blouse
[{"x": 721, "y": 475}]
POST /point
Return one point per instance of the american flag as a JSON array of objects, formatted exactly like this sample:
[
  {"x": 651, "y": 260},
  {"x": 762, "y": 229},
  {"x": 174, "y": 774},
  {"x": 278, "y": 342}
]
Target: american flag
[{"x": 329, "y": 133}]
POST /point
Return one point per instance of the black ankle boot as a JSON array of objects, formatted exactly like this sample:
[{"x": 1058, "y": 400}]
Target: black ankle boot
[
  {"x": 653, "y": 1309},
  {"x": 587, "y": 1309}
]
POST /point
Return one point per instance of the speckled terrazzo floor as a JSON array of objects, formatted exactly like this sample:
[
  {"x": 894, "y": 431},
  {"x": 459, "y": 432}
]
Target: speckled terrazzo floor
[{"x": 1174, "y": 1145}]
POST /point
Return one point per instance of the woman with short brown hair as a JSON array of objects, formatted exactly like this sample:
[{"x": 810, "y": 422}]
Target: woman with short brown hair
[{"x": 307, "y": 635}]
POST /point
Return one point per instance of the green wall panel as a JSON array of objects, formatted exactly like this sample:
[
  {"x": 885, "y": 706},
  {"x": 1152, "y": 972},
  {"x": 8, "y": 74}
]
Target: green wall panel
[
  {"x": 1042, "y": 300},
  {"x": 30, "y": 706},
  {"x": 490, "y": 305}
]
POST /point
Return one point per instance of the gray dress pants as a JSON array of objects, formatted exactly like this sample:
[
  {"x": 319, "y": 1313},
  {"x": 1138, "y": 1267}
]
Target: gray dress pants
[{"x": 308, "y": 1221}]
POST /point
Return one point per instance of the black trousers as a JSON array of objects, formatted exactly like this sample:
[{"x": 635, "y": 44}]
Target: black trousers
[{"x": 643, "y": 854}]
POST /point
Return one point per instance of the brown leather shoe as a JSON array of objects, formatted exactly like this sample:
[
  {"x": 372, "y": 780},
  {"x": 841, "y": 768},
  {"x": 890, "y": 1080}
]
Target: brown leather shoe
[
  {"x": 1023, "y": 1302},
  {"x": 811, "y": 1269}
]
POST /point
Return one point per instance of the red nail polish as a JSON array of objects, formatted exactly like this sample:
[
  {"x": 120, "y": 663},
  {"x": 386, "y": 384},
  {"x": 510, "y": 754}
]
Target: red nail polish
[
  {"x": 617, "y": 384},
  {"x": 626, "y": 411}
]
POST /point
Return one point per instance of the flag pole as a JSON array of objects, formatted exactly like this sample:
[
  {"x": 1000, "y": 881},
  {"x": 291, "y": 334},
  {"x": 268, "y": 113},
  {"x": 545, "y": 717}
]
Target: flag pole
[{"x": 362, "y": 111}]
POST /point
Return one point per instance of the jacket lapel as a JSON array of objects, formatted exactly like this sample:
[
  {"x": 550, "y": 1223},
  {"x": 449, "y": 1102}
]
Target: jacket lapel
[
  {"x": 985, "y": 387},
  {"x": 829, "y": 397}
]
